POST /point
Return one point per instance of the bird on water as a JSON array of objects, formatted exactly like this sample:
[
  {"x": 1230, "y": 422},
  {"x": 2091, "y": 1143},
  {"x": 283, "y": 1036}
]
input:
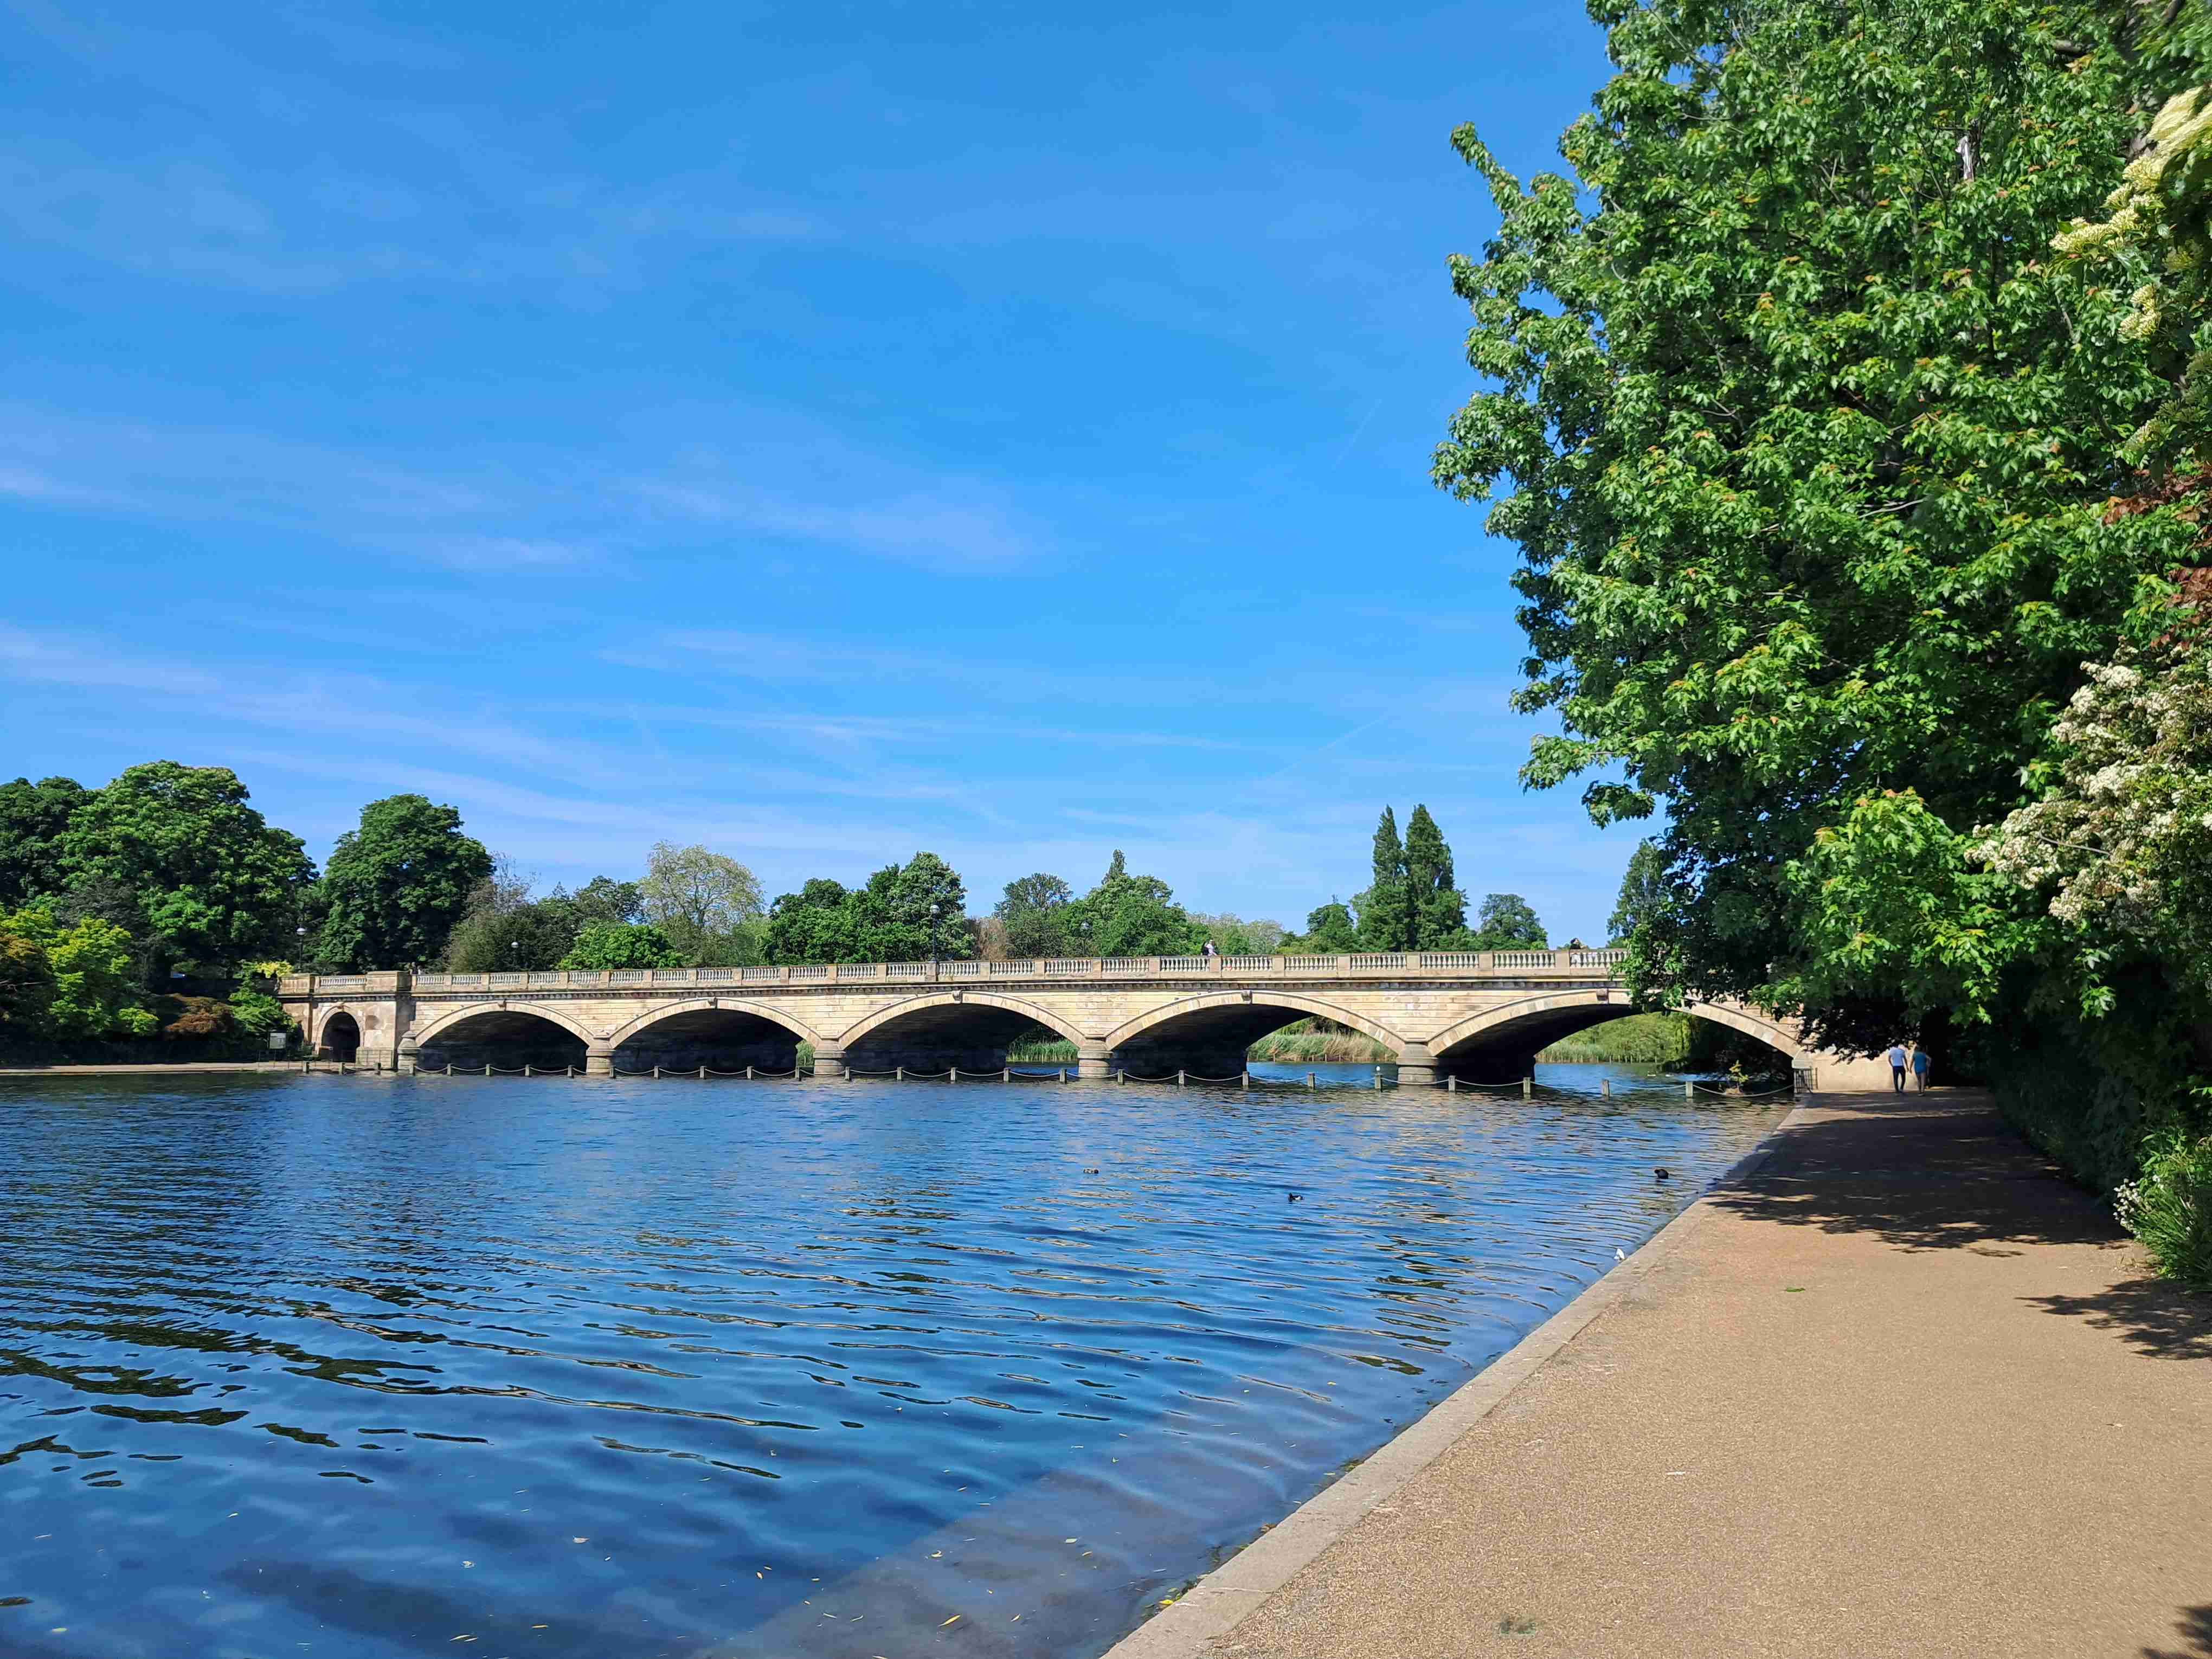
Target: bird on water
[{"x": 1662, "y": 1172}]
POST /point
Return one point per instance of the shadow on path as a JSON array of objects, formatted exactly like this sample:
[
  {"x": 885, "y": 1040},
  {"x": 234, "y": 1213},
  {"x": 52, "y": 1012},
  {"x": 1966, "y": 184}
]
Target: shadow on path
[
  {"x": 2194, "y": 1627},
  {"x": 1947, "y": 1172},
  {"x": 2151, "y": 1317},
  {"x": 1925, "y": 1174}
]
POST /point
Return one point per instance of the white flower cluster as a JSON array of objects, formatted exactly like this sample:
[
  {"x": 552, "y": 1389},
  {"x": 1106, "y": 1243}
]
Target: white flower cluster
[
  {"x": 2123, "y": 839},
  {"x": 2142, "y": 208}
]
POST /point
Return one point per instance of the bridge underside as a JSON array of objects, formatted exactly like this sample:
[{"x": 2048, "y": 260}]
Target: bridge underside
[
  {"x": 1205, "y": 1041},
  {"x": 505, "y": 1040},
  {"x": 1500, "y": 1054},
  {"x": 721, "y": 1039},
  {"x": 971, "y": 1036}
]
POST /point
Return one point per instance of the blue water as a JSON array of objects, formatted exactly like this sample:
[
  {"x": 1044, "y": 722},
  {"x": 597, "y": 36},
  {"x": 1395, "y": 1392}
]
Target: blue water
[{"x": 574, "y": 1370}]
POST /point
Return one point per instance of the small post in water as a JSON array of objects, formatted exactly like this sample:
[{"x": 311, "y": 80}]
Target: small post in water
[
  {"x": 1528, "y": 1087},
  {"x": 1063, "y": 1074},
  {"x": 749, "y": 1071},
  {"x": 1688, "y": 1089},
  {"x": 901, "y": 1070},
  {"x": 1310, "y": 1079},
  {"x": 527, "y": 1072},
  {"x": 656, "y": 1074},
  {"x": 1605, "y": 1085},
  {"x": 955, "y": 1077},
  {"x": 702, "y": 1074},
  {"x": 1006, "y": 1074},
  {"x": 1178, "y": 1076},
  {"x": 1378, "y": 1079},
  {"x": 488, "y": 1069},
  {"x": 1451, "y": 1083},
  {"x": 1245, "y": 1084}
]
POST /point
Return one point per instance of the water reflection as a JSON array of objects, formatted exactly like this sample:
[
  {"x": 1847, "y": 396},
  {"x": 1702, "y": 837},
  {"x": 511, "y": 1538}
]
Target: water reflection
[{"x": 368, "y": 1366}]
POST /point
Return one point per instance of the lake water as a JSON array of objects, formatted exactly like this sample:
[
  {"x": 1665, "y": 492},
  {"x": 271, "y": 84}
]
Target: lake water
[{"x": 373, "y": 1367}]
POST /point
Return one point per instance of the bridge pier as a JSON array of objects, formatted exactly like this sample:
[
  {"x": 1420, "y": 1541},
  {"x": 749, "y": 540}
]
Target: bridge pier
[
  {"x": 1417, "y": 1067},
  {"x": 402, "y": 1058},
  {"x": 598, "y": 1059},
  {"x": 828, "y": 1061},
  {"x": 1092, "y": 1062}
]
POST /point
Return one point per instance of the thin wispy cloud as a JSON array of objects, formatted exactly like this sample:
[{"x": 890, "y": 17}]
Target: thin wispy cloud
[{"x": 955, "y": 525}]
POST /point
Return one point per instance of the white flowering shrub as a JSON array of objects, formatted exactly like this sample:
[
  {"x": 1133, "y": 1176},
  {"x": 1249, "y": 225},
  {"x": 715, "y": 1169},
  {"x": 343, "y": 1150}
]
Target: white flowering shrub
[
  {"x": 2169, "y": 1207},
  {"x": 2121, "y": 839}
]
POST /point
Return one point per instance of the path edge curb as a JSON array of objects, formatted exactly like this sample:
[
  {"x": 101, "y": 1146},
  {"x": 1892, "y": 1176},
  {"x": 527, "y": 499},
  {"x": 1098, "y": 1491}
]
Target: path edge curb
[{"x": 1218, "y": 1602}]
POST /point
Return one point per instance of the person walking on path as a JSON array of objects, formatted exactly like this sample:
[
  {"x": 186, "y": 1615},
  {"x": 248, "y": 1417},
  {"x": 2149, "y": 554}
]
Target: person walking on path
[
  {"x": 1920, "y": 1064},
  {"x": 1897, "y": 1058}
]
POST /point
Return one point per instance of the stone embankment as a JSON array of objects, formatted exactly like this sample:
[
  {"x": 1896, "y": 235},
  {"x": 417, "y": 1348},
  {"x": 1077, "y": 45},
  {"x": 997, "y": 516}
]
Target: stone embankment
[{"x": 1895, "y": 1389}]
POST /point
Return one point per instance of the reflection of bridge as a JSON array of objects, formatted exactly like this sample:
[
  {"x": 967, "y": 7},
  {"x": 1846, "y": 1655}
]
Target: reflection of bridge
[{"x": 1475, "y": 1014}]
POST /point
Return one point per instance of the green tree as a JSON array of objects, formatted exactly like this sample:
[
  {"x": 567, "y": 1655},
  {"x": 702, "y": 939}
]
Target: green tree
[
  {"x": 1127, "y": 915},
  {"x": 1505, "y": 922},
  {"x": 1436, "y": 907},
  {"x": 502, "y": 931},
  {"x": 1386, "y": 910},
  {"x": 396, "y": 887},
  {"x": 1330, "y": 931},
  {"x": 622, "y": 944},
  {"x": 27, "y": 979},
  {"x": 215, "y": 883},
  {"x": 907, "y": 911},
  {"x": 698, "y": 898},
  {"x": 812, "y": 925},
  {"x": 1034, "y": 910},
  {"x": 91, "y": 990},
  {"x": 1806, "y": 438},
  {"x": 1645, "y": 893},
  {"x": 33, "y": 818}
]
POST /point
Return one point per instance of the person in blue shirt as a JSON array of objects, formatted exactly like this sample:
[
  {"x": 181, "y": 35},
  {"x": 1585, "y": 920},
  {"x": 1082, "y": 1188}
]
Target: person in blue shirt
[
  {"x": 1920, "y": 1068},
  {"x": 1898, "y": 1059}
]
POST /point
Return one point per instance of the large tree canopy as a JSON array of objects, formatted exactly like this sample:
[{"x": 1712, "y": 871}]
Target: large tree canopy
[
  {"x": 1805, "y": 434},
  {"x": 214, "y": 884},
  {"x": 699, "y": 899},
  {"x": 32, "y": 818},
  {"x": 395, "y": 886}
]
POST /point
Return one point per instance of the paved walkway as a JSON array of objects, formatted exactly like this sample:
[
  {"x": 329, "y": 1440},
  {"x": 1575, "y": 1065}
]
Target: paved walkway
[{"x": 1899, "y": 1391}]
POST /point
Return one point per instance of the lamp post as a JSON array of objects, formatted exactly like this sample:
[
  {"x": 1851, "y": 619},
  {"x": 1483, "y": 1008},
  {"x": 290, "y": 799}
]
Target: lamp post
[{"x": 935, "y": 911}]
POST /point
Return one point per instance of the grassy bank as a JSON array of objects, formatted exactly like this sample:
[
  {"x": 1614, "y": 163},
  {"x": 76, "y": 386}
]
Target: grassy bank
[{"x": 1637, "y": 1040}]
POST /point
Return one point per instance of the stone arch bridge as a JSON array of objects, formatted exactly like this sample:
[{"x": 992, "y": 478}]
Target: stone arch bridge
[{"x": 1479, "y": 1014}]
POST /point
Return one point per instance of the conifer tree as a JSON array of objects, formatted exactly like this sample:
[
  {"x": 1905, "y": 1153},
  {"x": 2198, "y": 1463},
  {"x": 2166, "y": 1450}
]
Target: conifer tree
[
  {"x": 1386, "y": 921},
  {"x": 1438, "y": 909}
]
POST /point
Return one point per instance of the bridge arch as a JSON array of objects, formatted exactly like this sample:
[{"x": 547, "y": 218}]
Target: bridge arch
[
  {"x": 1209, "y": 1033},
  {"x": 503, "y": 1035},
  {"x": 936, "y": 1030},
  {"x": 1505, "y": 1038},
  {"x": 336, "y": 1035},
  {"x": 722, "y": 1033}
]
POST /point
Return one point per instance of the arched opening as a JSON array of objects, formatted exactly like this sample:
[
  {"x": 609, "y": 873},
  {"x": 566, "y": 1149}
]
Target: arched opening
[
  {"x": 934, "y": 1036},
  {"x": 506, "y": 1039},
  {"x": 1209, "y": 1036},
  {"x": 341, "y": 1037},
  {"x": 721, "y": 1039},
  {"x": 1502, "y": 1045}
]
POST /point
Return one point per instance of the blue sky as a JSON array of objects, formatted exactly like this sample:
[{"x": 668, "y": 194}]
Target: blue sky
[{"x": 822, "y": 431}]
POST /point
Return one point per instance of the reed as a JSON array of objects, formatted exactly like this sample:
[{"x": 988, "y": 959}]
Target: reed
[{"x": 1636, "y": 1040}]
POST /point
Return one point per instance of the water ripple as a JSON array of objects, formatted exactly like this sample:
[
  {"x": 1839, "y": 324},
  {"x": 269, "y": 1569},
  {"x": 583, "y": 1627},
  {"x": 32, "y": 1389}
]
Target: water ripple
[{"x": 380, "y": 1368}]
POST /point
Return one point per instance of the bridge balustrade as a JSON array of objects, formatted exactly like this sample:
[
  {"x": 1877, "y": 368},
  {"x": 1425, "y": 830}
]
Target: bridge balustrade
[{"x": 1453, "y": 963}]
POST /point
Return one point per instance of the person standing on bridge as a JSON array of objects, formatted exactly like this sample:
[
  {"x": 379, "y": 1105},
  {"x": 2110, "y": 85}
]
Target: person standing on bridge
[
  {"x": 1209, "y": 951},
  {"x": 1920, "y": 1063},
  {"x": 1897, "y": 1058}
]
